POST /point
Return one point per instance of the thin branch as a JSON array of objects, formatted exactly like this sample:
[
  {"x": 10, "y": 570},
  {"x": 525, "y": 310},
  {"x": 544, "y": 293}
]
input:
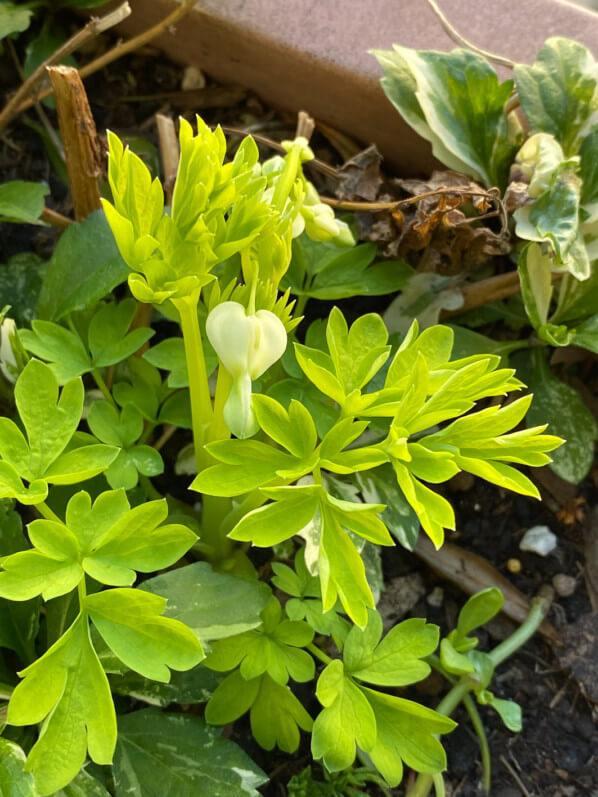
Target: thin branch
[
  {"x": 124, "y": 47},
  {"x": 56, "y": 219},
  {"x": 93, "y": 28},
  {"x": 342, "y": 204},
  {"x": 457, "y": 37}
]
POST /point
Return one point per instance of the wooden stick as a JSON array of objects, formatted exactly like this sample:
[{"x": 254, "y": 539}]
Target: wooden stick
[
  {"x": 56, "y": 219},
  {"x": 82, "y": 148},
  {"x": 169, "y": 152},
  {"x": 121, "y": 49},
  {"x": 93, "y": 28}
]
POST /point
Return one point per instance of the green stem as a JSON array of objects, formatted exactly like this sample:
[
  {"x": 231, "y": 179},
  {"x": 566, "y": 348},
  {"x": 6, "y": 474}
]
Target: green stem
[
  {"x": 46, "y": 512},
  {"x": 82, "y": 593},
  {"x": 149, "y": 488},
  {"x": 478, "y": 726},
  {"x": 201, "y": 403},
  {"x": 219, "y": 430},
  {"x": 319, "y": 654},
  {"x": 438, "y": 782},
  {"x": 99, "y": 380},
  {"x": 461, "y": 689},
  {"x": 146, "y": 433}
]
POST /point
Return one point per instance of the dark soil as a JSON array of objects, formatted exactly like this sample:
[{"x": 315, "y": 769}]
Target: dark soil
[{"x": 556, "y": 755}]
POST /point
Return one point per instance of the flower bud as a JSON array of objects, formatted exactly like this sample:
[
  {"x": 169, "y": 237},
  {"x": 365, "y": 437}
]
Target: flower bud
[
  {"x": 8, "y": 362},
  {"x": 247, "y": 345}
]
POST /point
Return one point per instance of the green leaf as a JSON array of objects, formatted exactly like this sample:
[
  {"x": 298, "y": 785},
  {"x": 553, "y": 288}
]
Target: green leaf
[
  {"x": 380, "y": 486},
  {"x": 295, "y": 429},
  {"x": 478, "y": 610},
  {"x": 569, "y": 418},
  {"x": 588, "y": 167},
  {"x": 508, "y": 711},
  {"x": 192, "y": 686},
  {"x": 454, "y": 662},
  {"x": 214, "y": 605},
  {"x": 62, "y": 348},
  {"x": 558, "y": 92},
  {"x": 456, "y": 102},
  {"x": 406, "y": 732},
  {"x": 109, "y": 340},
  {"x": 169, "y": 355},
  {"x": 20, "y": 201},
  {"x": 586, "y": 334},
  {"x": 534, "y": 269},
  {"x": 83, "y": 785},
  {"x": 114, "y": 428},
  {"x": 280, "y": 520},
  {"x": 13, "y": 19},
  {"x": 195, "y": 758},
  {"x": 424, "y": 297},
  {"x": 394, "y": 661},
  {"x": 233, "y": 697},
  {"x": 346, "y": 721},
  {"x": 276, "y": 716},
  {"x": 50, "y": 420},
  {"x": 358, "y": 353},
  {"x": 130, "y": 623},
  {"x": 68, "y": 686},
  {"x": 14, "y": 780},
  {"x": 85, "y": 267},
  {"x": 20, "y": 284}
]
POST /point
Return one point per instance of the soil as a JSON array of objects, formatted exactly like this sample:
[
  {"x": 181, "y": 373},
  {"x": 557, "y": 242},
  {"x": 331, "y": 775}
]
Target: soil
[{"x": 556, "y": 754}]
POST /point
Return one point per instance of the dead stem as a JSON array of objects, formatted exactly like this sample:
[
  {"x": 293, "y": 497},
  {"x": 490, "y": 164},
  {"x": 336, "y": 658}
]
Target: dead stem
[
  {"x": 457, "y": 37},
  {"x": 122, "y": 49},
  {"x": 93, "y": 28},
  {"x": 305, "y": 125},
  {"x": 56, "y": 219}
]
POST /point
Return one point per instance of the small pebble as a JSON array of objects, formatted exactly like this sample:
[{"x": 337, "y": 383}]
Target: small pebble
[
  {"x": 193, "y": 78},
  {"x": 514, "y": 566},
  {"x": 564, "y": 585},
  {"x": 539, "y": 540},
  {"x": 436, "y": 597}
]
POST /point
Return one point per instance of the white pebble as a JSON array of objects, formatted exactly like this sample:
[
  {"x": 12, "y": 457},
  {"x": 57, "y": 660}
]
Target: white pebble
[
  {"x": 436, "y": 597},
  {"x": 564, "y": 585},
  {"x": 538, "y": 539}
]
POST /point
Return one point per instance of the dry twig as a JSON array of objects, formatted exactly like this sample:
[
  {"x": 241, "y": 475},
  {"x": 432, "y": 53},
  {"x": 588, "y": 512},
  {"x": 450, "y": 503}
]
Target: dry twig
[
  {"x": 121, "y": 49},
  {"x": 169, "y": 152},
  {"x": 93, "y": 28},
  {"x": 56, "y": 219}
]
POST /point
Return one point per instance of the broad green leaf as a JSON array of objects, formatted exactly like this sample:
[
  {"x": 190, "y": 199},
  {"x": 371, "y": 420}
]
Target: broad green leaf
[
  {"x": 395, "y": 660},
  {"x": 569, "y": 418},
  {"x": 20, "y": 284},
  {"x": 588, "y": 167},
  {"x": 13, "y": 19},
  {"x": 20, "y": 201},
  {"x": 558, "y": 92},
  {"x": 130, "y": 623},
  {"x": 85, "y": 267},
  {"x": 169, "y": 355},
  {"x": 406, "y": 732},
  {"x": 423, "y": 298},
  {"x": 586, "y": 334},
  {"x": 194, "y": 758},
  {"x": 83, "y": 785},
  {"x": 346, "y": 721},
  {"x": 456, "y": 102},
  {"x": 80, "y": 464},
  {"x": 15, "y": 781},
  {"x": 68, "y": 687},
  {"x": 214, "y": 605},
  {"x": 233, "y": 697},
  {"x": 196, "y": 685},
  {"x": 380, "y": 486},
  {"x": 114, "y": 428}
]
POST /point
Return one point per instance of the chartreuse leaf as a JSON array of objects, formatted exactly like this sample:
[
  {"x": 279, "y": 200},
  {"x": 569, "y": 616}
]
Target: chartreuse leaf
[
  {"x": 507, "y": 710},
  {"x": 275, "y": 713},
  {"x": 15, "y": 781},
  {"x": 50, "y": 421},
  {"x": 292, "y": 510},
  {"x": 478, "y": 610},
  {"x": 358, "y": 353},
  {"x": 68, "y": 688},
  {"x": 347, "y": 720},
  {"x": 275, "y": 649},
  {"x": 558, "y": 92},
  {"x": 534, "y": 269},
  {"x": 20, "y": 201},
  {"x": 107, "y": 540},
  {"x": 130, "y": 623},
  {"x": 394, "y": 661},
  {"x": 122, "y": 430},
  {"x": 108, "y": 341},
  {"x": 455, "y": 101},
  {"x": 406, "y": 732},
  {"x": 160, "y": 754},
  {"x": 83, "y": 785}
]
